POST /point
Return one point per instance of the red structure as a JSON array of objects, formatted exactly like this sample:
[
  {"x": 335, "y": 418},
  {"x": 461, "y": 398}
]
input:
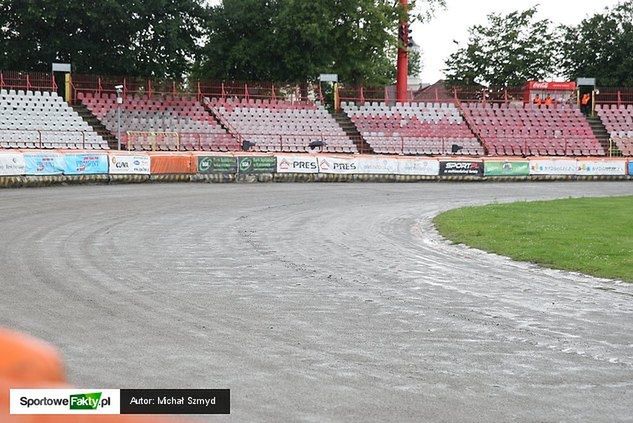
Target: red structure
[
  {"x": 561, "y": 92},
  {"x": 403, "y": 55}
]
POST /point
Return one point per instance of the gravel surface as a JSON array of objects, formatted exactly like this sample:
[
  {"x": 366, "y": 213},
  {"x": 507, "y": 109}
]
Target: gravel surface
[{"x": 314, "y": 302}]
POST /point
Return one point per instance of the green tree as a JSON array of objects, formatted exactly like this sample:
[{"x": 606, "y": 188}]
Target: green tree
[
  {"x": 296, "y": 40},
  {"x": 151, "y": 37},
  {"x": 508, "y": 51},
  {"x": 601, "y": 46}
]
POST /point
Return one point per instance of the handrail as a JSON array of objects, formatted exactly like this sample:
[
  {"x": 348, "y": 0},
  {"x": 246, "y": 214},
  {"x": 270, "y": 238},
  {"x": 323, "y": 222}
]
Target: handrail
[{"x": 40, "y": 132}]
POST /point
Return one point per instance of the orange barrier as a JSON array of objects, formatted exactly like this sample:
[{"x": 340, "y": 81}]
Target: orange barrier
[{"x": 172, "y": 163}]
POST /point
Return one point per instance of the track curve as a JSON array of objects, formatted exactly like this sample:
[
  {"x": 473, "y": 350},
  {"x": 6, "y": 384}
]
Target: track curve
[{"x": 314, "y": 302}]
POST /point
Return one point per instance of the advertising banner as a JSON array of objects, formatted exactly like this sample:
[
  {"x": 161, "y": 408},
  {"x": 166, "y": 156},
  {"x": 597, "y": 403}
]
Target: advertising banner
[
  {"x": 44, "y": 163},
  {"x": 461, "y": 168},
  {"x": 601, "y": 168},
  {"x": 217, "y": 164},
  {"x": 12, "y": 164},
  {"x": 506, "y": 168},
  {"x": 377, "y": 166},
  {"x": 337, "y": 165},
  {"x": 129, "y": 165},
  {"x": 297, "y": 164},
  {"x": 257, "y": 164},
  {"x": 631, "y": 168},
  {"x": 553, "y": 167},
  {"x": 418, "y": 167},
  {"x": 85, "y": 164}
]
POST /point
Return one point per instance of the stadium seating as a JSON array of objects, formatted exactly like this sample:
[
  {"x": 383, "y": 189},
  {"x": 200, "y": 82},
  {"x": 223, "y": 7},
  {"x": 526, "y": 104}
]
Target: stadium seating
[
  {"x": 413, "y": 128},
  {"x": 43, "y": 120},
  {"x": 279, "y": 126},
  {"x": 618, "y": 120},
  {"x": 160, "y": 123},
  {"x": 508, "y": 130}
]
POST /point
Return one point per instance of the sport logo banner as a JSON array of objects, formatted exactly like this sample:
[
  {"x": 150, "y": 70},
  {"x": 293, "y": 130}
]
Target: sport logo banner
[
  {"x": 257, "y": 164},
  {"x": 553, "y": 167},
  {"x": 12, "y": 164},
  {"x": 418, "y": 167},
  {"x": 601, "y": 168},
  {"x": 129, "y": 165},
  {"x": 338, "y": 166},
  {"x": 506, "y": 168},
  {"x": 297, "y": 164},
  {"x": 85, "y": 164},
  {"x": 217, "y": 164},
  {"x": 44, "y": 163},
  {"x": 462, "y": 168}
]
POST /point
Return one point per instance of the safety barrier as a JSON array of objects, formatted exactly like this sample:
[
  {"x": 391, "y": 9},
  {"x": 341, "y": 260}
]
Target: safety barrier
[{"x": 48, "y": 167}]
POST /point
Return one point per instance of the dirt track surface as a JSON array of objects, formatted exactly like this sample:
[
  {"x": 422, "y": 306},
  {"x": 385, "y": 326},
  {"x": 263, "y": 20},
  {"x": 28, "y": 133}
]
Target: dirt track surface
[{"x": 314, "y": 302}]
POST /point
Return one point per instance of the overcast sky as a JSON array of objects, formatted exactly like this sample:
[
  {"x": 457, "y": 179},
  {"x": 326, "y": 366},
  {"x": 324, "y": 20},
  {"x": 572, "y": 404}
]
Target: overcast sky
[{"x": 436, "y": 38}]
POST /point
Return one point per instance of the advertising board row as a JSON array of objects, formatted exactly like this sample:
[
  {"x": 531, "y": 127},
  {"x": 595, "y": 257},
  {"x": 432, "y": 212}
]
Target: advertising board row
[
  {"x": 43, "y": 163},
  {"x": 55, "y": 163}
]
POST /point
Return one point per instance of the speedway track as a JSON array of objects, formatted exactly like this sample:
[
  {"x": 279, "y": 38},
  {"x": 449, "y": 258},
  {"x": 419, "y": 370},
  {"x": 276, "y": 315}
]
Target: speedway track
[{"x": 314, "y": 302}]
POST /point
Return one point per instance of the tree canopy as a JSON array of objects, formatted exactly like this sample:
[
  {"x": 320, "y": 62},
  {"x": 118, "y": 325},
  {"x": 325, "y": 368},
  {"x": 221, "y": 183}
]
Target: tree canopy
[
  {"x": 276, "y": 40},
  {"x": 150, "y": 37},
  {"x": 295, "y": 40},
  {"x": 507, "y": 51},
  {"x": 511, "y": 49},
  {"x": 601, "y": 46}
]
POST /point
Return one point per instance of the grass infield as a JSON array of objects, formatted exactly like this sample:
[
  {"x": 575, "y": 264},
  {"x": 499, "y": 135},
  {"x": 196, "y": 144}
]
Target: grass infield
[{"x": 589, "y": 235}]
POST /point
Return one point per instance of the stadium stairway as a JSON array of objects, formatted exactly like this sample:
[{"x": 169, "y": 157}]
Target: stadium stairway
[
  {"x": 352, "y": 132},
  {"x": 96, "y": 124},
  {"x": 471, "y": 125},
  {"x": 600, "y": 131}
]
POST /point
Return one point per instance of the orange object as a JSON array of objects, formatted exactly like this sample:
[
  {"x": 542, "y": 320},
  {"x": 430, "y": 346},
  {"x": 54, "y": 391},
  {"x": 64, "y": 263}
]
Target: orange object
[
  {"x": 172, "y": 163},
  {"x": 586, "y": 98},
  {"x": 28, "y": 360},
  {"x": 549, "y": 101}
]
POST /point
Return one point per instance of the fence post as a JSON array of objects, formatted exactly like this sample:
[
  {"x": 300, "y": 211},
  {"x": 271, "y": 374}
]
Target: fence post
[
  {"x": 361, "y": 99},
  {"x": 28, "y": 82}
]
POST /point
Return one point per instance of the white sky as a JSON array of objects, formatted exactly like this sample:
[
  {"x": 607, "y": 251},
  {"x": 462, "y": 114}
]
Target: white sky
[{"x": 436, "y": 37}]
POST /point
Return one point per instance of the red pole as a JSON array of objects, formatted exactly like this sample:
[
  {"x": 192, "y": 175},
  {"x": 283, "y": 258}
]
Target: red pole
[{"x": 403, "y": 54}]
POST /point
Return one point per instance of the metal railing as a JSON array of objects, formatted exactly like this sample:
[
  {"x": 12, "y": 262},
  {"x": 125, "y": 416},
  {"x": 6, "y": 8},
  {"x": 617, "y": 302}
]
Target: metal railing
[
  {"x": 39, "y": 139},
  {"x": 173, "y": 141},
  {"x": 27, "y": 81}
]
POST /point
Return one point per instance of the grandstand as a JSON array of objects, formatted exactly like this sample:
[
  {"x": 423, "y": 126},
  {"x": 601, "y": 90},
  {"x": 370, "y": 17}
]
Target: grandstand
[
  {"x": 527, "y": 130},
  {"x": 36, "y": 119},
  {"x": 618, "y": 121},
  {"x": 276, "y": 120},
  {"x": 160, "y": 123},
  {"x": 413, "y": 128},
  {"x": 274, "y": 125}
]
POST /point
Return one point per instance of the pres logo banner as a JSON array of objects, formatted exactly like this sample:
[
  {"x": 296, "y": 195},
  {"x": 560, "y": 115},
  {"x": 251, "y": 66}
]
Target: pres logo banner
[{"x": 119, "y": 401}]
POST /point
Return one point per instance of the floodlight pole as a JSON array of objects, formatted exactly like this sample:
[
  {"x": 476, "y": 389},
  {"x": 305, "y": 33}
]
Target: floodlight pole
[{"x": 403, "y": 54}]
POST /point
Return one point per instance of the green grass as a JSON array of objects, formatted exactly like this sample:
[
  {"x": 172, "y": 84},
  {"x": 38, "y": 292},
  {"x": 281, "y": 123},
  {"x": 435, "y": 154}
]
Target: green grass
[{"x": 589, "y": 235}]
